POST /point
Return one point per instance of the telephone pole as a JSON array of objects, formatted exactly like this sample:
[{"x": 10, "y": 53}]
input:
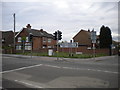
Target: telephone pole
[{"x": 14, "y": 31}]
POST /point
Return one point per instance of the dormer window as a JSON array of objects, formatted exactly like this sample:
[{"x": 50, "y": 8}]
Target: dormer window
[{"x": 19, "y": 39}]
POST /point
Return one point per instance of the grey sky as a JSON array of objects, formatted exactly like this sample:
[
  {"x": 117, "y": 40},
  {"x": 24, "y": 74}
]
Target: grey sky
[{"x": 68, "y": 16}]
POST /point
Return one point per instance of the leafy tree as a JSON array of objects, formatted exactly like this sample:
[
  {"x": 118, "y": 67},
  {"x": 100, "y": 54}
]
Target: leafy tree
[{"x": 105, "y": 37}]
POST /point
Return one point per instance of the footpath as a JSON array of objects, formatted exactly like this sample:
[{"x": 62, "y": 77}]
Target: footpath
[{"x": 61, "y": 59}]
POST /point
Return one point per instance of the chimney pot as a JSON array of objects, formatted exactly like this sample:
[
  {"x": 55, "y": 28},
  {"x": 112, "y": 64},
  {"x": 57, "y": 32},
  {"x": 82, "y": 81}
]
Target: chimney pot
[
  {"x": 41, "y": 30},
  {"x": 28, "y": 26}
]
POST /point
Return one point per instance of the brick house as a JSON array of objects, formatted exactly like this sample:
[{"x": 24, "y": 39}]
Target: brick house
[
  {"x": 41, "y": 39},
  {"x": 83, "y": 38},
  {"x": 7, "y": 41}
]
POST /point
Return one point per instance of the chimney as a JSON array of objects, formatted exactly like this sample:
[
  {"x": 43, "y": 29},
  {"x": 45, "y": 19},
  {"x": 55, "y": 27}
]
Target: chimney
[
  {"x": 41, "y": 30},
  {"x": 88, "y": 30},
  {"x": 28, "y": 26}
]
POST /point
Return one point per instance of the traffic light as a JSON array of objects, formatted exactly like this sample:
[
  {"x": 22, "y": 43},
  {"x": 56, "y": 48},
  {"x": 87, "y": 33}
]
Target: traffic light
[
  {"x": 55, "y": 35},
  {"x": 59, "y": 35},
  {"x": 30, "y": 37}
]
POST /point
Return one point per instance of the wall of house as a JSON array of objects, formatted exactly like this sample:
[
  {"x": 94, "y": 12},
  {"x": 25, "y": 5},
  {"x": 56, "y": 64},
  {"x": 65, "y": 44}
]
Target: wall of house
[
  {"x": 22, "y": 34},
  {"x": 52, "y": 43},
  {"x": 37, "y": 43},
  {"x": 83, "y": 38}
]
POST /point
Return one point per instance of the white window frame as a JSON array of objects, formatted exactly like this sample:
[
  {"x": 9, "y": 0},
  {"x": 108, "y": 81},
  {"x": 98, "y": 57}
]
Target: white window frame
[
  {"x": 43, "y": 47},
  {"x": 18, "y": 47},
  {"x": 49, "y": 46},
  {"x": 49, "y": 40},
  {"x": 27, "y": 39},
  {"x": 19, "y": 39},
  {"x": 27, "y": 47}
]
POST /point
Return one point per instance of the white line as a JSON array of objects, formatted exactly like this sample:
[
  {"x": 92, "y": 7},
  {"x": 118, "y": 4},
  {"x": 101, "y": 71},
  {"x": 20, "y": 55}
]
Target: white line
[
  {"x": 36, "y": 86},
  {"x": 56, "y": 67},
  {"x": 21, "y": 68},
  {"x": 52, "y": 66},
  {"x": 81, "y": 69}
]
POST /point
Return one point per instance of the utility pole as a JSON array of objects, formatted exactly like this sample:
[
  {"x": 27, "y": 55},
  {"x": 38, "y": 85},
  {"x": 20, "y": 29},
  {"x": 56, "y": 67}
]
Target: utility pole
[{"x": 14, "y": 31}]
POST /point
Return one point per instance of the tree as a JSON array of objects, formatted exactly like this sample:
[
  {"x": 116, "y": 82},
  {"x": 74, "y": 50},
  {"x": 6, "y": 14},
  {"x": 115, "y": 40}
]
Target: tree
[{"x": 105, "y": 37}]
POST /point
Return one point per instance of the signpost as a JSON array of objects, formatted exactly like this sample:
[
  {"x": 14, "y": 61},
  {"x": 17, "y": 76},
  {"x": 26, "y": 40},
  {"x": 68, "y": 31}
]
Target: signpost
[
  {"x": 93, "y": 38},
  {"x": 69, "y": 45}
]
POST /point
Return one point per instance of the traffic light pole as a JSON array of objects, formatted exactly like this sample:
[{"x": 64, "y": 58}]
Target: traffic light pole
[
  {"x": 57, "y": 46},
  {"x": 31, "y": 40},
  {"x": 31, "y": 48}
]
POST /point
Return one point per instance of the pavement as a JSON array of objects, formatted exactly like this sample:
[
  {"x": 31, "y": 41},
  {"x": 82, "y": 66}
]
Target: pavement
[
  {"x": 48, "y": 72},
  {"x": 67, "y": 59}
]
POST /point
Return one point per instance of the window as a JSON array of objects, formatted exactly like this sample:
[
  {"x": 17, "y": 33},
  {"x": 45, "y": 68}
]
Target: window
[
  {"x": 19, "y": 39},
  {"x": 49, "y": 47},
  {"x": 27, "y": 39},
  {"x": 3, "y": 39},
  {"x": 44, "y": 46},
  {"x": 18, "y": 47},
  {"x": 49, "y": 40},
  {"x": 44, "y": 39},
  {"x": 27, "y": 47}
]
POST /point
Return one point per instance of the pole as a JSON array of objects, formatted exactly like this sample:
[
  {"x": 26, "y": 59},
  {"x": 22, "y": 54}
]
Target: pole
[
  {"x": 94, "y": 51},
  {"x": 57, "y": 46},
  {"x": 31, "y": 48},
  {"x": 14, "y": 31}
]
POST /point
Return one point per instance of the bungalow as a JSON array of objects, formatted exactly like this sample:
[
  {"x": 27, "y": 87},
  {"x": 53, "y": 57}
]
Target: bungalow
[{"x": 41, "y": 39}]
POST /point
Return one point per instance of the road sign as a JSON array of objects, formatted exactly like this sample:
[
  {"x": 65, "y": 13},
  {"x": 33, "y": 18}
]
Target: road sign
[
  {"x": 93, "y": 36},
  {"x": 69, "y": 45}
]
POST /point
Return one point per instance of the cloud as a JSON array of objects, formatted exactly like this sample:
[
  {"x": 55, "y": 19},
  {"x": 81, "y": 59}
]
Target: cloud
[{"x": 69, "y": 16}]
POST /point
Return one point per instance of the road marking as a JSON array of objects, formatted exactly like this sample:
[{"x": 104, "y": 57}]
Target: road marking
[
  {"x": 36, "y": 86},
  {"x": 56, "y": 67},
  {"x": 21, "y": 68},
  {"x": 52, "y": 66},
  {"x": 81, "y": 69}
]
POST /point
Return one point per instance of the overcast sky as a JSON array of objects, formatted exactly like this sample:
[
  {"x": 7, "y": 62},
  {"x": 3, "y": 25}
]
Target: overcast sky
[{"x": 68, "y": 16}]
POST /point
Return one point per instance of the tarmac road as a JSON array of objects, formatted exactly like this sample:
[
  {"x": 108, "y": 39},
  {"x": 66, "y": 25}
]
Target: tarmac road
[{"x": 47, "y": 72}]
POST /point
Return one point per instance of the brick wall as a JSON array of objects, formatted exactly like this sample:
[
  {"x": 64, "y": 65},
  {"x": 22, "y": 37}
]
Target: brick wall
[{"x": 84, "y": 50}]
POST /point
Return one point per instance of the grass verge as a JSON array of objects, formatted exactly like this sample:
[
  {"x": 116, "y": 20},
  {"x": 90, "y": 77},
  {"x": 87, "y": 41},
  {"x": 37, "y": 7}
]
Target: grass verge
[{"x": 64, "y": 55}]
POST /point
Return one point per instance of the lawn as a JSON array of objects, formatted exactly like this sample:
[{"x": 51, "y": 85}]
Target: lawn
[{"x": 65, "y": 55}]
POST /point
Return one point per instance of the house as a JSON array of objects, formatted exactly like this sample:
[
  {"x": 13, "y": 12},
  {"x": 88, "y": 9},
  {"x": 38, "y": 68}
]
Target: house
[
  {"x": 41, "y": 39},
  {"x": 83, "y": 38},
  {"x": 7, "y": 41}
]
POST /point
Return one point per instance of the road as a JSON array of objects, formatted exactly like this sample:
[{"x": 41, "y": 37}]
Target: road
[{"x": 46, "y": 72}]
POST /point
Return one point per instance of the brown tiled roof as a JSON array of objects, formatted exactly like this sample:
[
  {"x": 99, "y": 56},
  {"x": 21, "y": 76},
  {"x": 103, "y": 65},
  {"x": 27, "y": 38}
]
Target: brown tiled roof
[
  {"x": 39, "y": 33},
  {"x": 87, "y": 32}
]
